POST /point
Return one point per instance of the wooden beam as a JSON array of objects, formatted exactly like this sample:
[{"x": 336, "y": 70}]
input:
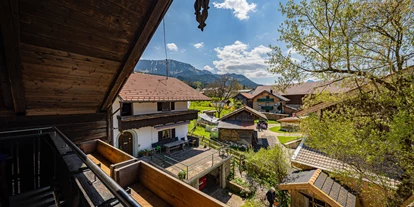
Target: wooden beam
[
  {"x": 9, "y": 18},
  {"x": 4, "y": 78},
  {"x": 19, "y": 122},
  {"x": 143, "y": 36}
]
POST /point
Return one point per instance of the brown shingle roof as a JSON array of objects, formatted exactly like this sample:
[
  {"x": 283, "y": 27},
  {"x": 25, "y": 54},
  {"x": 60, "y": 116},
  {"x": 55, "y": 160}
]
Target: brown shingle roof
[
  {"x": 236, "y": 124},
  {"x": 247, "y": 95},
  {"x": 149, "y": 88},
  {"x": 321, "y": 184},
  {"x": 302, "y": 88},
  {"x": 305, "y": 155},
  {"x": 245, "y": 108}
]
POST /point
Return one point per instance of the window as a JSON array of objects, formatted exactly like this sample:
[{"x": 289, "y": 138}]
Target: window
[
  {"x": 166, "y": 134},
  {"x": 165, "y": 106},
  {"x": 126, "y": 109}
]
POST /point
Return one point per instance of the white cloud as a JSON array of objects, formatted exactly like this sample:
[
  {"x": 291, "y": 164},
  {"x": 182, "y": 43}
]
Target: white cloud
[
  {"x": 172, "y": 47},
  {"x": 208, "y": 68},
  {"x": 241, "y": 7},
  {"x": 237, "y": 58},
  {"x": 291, "y": 51},
  {"x": 199, "y": 45}
]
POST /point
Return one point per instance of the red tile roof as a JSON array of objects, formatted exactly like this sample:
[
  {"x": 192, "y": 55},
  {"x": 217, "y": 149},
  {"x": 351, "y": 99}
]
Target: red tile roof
[{"x": 149, "y": 88}]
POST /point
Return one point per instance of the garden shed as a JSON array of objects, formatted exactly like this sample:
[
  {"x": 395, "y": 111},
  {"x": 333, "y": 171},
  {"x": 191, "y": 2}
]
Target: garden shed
[{"x": 239, "y": 126}]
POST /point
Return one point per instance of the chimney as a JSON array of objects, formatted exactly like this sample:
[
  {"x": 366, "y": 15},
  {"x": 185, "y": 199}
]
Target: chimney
[{"x": 271, "y": 91}]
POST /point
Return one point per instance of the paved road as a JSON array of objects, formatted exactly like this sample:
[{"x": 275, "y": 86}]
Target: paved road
[{"x": 273, "y": 140}]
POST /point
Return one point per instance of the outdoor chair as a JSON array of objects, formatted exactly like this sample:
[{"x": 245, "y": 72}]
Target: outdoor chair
[
  {"x": 156, "y": 147},
  {"x": 185, "y": 141}
]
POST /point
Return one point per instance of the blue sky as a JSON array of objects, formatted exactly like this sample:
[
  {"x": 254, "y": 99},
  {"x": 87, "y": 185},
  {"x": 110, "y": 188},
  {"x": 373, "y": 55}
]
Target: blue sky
[{"x": 235, "y": 40}]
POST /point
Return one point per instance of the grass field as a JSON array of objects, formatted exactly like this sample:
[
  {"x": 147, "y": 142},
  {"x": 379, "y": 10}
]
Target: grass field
[
  {"x": 284, "y": 139},
  {"x": 205, "y": 105},
  {"x": 199, "y": 131},
  {"x": 269, "y": 121}
]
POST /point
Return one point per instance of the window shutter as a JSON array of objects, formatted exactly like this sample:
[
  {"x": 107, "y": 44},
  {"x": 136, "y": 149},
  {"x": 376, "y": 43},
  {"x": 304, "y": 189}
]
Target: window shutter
[
  {"x": 173, "y": 133},
  {"x": 172, "y": 105},
  {"x": 159, "y": 106},
  {"x": 159, "y": 135}
]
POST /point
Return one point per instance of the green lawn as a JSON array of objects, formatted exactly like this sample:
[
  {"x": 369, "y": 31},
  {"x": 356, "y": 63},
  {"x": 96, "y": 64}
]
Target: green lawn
[
  {"x": 199, "y": 131},
  {"x": 205, "y": 105},
  {"x": 269, "y": 122},
  {"x": 277, "y": 130},
  {"x": 284, "y": 139}
]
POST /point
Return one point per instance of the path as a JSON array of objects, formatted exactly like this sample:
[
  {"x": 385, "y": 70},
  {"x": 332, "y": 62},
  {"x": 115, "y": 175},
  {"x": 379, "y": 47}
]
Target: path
[{"x": 273, "y": 140}]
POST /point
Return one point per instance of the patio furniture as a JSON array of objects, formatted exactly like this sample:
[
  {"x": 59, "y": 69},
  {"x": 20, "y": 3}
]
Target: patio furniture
[
  {"x": 174, "y": 145},
  {"x": 156, "y": 147},
  {"x": 185, "y": 141}
]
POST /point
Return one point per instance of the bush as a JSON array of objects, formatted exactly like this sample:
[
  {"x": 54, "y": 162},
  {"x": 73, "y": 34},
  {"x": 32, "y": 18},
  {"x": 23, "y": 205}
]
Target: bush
[{"x": 182, "y": 174}]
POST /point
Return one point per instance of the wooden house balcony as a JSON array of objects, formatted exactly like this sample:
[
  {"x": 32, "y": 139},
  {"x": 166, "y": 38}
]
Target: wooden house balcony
[
  {"x": 267, "y": 107},
  {"x": 265, "y": 100},
  {"x": 93, "y": 174},
  {"x": 154, "y": 119}
]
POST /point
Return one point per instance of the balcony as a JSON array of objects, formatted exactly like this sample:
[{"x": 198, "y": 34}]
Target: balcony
[
  {"x": 144, "y": 120},
  {"x": 78, "y": 179},
  {"x": 265, "y": 100},
  {"x": 267, "y": 107}
]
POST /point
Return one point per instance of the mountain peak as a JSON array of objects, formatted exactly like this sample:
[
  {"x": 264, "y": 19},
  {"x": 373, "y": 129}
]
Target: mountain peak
[{"x": 186, "y": 72}]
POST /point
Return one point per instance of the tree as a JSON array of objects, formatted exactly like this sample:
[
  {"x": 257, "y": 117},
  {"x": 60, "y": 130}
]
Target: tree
[
  {"x": 269, "y": 167},
  {"x": 367, "y": 44},
  {"x": 221, "y": 90}
]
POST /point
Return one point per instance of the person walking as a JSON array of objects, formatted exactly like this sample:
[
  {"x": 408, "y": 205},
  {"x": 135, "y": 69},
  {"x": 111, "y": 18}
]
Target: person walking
[{"x": 270, "y": 196}]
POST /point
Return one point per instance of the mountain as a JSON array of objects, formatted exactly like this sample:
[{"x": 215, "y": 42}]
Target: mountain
[{"x": 186, "y": 72}]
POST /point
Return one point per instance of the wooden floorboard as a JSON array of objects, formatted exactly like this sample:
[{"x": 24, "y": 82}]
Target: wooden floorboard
[{"x": 145, "y": 197}]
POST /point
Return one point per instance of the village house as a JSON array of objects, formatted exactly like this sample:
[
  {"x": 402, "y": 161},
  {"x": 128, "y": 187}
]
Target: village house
[
  {"x": 152, "y": 109},
  {"x": 62, "y": 65},
  {"x": 268, "y": 99},
  {"x": 238, "y": 126}
]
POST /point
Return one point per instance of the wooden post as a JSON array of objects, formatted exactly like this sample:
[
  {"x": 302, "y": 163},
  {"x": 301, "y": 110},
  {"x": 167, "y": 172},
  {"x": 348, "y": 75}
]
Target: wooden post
[{"x": 223, "y": 176}]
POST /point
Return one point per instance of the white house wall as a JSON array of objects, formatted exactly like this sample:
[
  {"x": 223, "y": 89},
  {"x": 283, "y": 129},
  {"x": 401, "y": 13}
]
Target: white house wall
[
  {"x": 144, "y": 137},
  {"x": 144, "y": 108},
  {"x": 181, "y": 105}
]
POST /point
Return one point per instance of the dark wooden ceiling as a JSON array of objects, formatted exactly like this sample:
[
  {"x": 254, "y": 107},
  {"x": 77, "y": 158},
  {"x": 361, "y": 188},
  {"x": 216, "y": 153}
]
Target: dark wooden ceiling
[{"x": 69, "y": 56}]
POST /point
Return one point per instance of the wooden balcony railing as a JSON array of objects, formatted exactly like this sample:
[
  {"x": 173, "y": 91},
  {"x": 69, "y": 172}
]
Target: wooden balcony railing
[
  {"x": 267, "y": 107},
  {"x": 265, "y": 100},
  {"x": 144, "y": 120}
]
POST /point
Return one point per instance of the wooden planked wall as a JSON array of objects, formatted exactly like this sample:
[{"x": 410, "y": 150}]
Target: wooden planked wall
[{"x": 77, "y": 127}]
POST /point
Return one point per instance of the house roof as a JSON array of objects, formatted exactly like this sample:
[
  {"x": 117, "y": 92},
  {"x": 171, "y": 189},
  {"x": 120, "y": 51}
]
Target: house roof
[
  {"x": 245, "y": 108},
  {"x": 237, "y": 124},
  {"x": 149, "y": 88},
  {"x": 305, "y": 155},
  {"x": 208, "y": 118},
  {"x": 331, "y": 191},
  {"x": 247, "y": 95},
  {"x": 302, "y": 88},
  {"x": 274, "y": 94}
]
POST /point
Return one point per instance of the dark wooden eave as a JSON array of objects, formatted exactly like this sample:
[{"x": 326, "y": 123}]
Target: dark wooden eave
[
  {"x": 159, "y": 8},
  {"x": 70, "y": 57},
  {"x": 13, "y": 87},
  {"x": 138, "y": 121}
]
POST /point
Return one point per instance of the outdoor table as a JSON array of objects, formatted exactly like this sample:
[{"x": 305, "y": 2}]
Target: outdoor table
[{"x": 174, "y": 144}]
